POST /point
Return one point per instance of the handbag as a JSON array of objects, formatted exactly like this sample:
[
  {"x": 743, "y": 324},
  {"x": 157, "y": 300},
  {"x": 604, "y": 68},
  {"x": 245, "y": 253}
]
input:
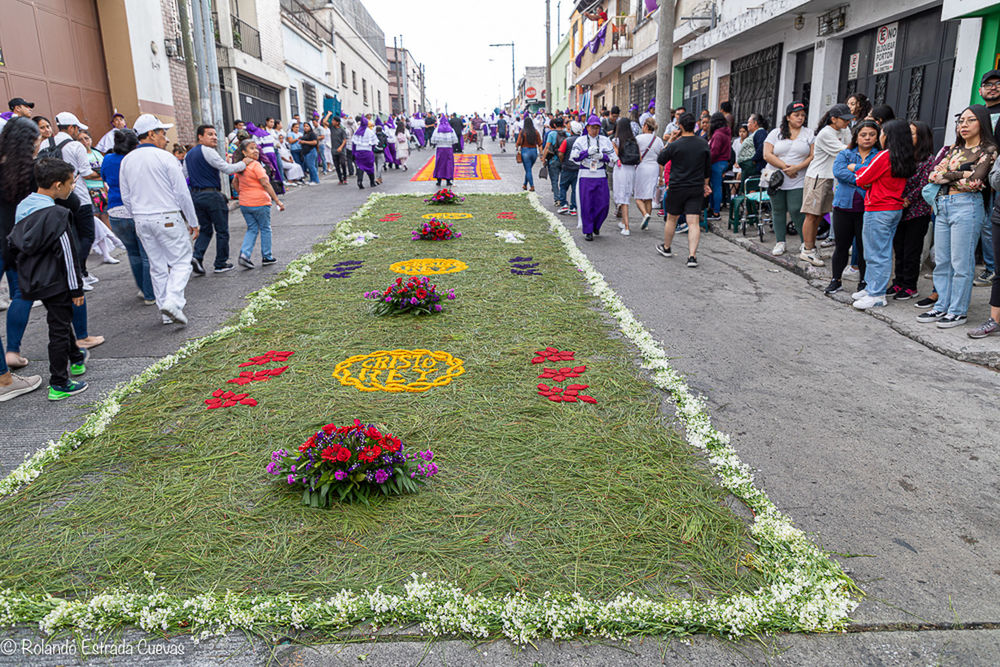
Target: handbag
[
  {"x": 544, "y": 171},
  {"x": 517, "y": 156},
  {"x": 930, "y": 192},
  {"x": 771, "y": 179}
]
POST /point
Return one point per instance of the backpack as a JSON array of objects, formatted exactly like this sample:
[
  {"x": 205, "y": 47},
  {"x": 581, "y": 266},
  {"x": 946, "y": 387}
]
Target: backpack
[
  {"x": 383, "y": 141},
  {"x": 560, "y": 137},
  {"x": 629, "y": 152},
  {"x": 51, "y": 149},
  {"x": 747, "y": 150}
]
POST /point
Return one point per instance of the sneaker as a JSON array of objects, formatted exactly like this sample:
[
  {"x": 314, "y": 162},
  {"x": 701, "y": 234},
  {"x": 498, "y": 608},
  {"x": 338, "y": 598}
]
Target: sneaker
[
  {"x": 625, "y": 232},
  {"x": 860, "y": 294},
  {"x": 645, "y": 222},
  {"x": 572, "y": 211},
  {"x": 621, "y": 225},
  {"x": 868, "y": 301},
  {"x": 562, "y": 210},
  {"x": 833, "y": 287},
  {"x": 88, "y": 287},
  {"x": 984, "y": 278},
  {"x": 111, "y": 260},
  {"x": 149, "y": 302},
  {"x": 80, "y": 368},
  {"x": 228, "y": 266},
  {"x": 268, "y": 260},
  {"x": 140, "y": 295},
  {"x": 90, "y": 279},
  {"x": 811, "y": 256},
  {"x": 23, "y": 385},
  {"x": 597, "y": 232},
  {"x": 174, "y": 313},
  {"x": 932, "y": 315},
  {"x": 893, "y": 290},
  {"x": 713, "y": 217},
  {"x": 692, "y": 262},
  {"x": 850, "y": 272},
  {"x": 949, "y": 321},
  {"x": 779, "y": 249},
  {"x": 245, "y": 262},
  {"x": 904, "y": 294},
  {"x": 827, "y": 243},
  {"x": 197, "y": 266},
  {"x": 71, "y": 388},
  {"x": 89, "y": 342},
  {"x": 926, "y": 302},
  {"x": 588, "y": 237},
  {"x": 682, "y": 228},
  {"x": 985, "y": 329},
  {"x": 664, "y": 250}
]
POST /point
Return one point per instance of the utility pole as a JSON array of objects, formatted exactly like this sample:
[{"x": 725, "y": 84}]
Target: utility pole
[
  {"x": 404, "y": 70},
  {"x": 513, "y": 79},
  {"x": 423, "y": 89},
  {"x": 548, "y": 58},
  {"x": 664, "y": 63},
  {"x": 189, "y": 62}
]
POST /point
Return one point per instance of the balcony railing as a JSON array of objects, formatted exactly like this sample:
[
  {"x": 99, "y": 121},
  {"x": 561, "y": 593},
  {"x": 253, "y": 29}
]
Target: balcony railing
[
  {"x": 246, "y": 38},
  {"x": 618, "y": 40},
  {"x": 299, "y": 14}
]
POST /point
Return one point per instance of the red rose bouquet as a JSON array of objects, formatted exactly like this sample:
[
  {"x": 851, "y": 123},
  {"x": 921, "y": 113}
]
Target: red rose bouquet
[
  {"x": 353, "y": 462},
  {"x": 417, "y": 295},
  {"x": 435, "y": 230},
  {"x": 445, "y": 196}
]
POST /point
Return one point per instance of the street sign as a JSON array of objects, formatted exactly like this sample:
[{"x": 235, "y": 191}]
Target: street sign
[
  {"x": 530, "y": 92},
  {"x": 852, "y": 67},
  {"x": 885, "y": 48}
]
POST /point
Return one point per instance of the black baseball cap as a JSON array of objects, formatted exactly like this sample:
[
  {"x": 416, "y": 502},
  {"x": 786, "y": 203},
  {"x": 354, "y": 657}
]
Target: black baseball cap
[
  {"x": 841, "y": 111},
  {"x": 19, "y": 101},
  {"x": 992, "y": 74},
  {"x": 793, "y": 107}
]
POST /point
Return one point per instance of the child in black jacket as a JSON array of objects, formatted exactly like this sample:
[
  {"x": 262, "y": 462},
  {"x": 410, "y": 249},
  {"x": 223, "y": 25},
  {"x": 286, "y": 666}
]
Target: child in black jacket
[{"x": 43, "y": 249}]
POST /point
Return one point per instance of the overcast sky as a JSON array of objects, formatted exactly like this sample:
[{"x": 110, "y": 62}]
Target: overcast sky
[{"x": 452, "y": 40}]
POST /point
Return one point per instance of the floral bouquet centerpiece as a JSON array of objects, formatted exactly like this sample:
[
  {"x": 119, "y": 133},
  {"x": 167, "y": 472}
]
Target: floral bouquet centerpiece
[
  {"x": 354, "y": 462},
  {"x": 435, "y": 230},
  {"x": 445, "y": 196},
  {"x": 417, "y": 295}
]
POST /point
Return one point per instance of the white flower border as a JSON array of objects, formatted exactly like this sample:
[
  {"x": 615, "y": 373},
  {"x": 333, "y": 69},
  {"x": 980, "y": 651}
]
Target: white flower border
[
  {"x": 509, "y": 235},
  {"x": 805, "y": 591}
]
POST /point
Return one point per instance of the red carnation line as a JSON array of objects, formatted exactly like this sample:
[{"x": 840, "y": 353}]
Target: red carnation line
[
  {"x": 571, "y": 394},
  {"x": 553, "y": 355},
  {"x": 561, "y": 374},
  {"x": 506, "y": 215},
  {"x": 227, "y": 399},
  {"x": 246, "y": 377},
  {"x": 267, "y": 358},
  {"x": 390, "y": 217}
]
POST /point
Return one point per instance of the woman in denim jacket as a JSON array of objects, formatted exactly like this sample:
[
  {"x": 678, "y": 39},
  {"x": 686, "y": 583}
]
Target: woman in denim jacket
[{"x": 848, "y": 201}]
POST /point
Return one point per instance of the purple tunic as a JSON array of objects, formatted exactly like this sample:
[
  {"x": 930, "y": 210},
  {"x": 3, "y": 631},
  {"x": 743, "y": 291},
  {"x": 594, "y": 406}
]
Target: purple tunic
[
  {"x": 365, "y": 160},
  {"x": 390, "y": 152},
  {"x": 593, "y": 199},
  {"x": 444, "y": 163},
  {"x": 418, "y": 132}
]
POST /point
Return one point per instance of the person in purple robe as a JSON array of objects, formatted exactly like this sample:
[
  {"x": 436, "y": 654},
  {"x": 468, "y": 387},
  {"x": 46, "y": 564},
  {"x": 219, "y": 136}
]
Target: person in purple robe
[
  {"x": 390, "y": 146},
  {"x": 363, "y": 145},
  {"x": 444, "y": 159},
  {"x": 592, "y": 152},
  {"x": 267, "y": 150}
]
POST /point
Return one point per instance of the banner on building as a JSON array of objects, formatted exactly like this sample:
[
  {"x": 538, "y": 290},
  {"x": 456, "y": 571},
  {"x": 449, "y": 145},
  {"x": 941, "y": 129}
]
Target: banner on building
[{"x": 885, "y": 48}]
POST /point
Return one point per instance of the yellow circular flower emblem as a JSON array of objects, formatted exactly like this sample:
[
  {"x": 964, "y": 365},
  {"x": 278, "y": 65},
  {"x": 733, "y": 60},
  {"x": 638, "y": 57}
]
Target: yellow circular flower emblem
[
  {"x": 427, "y": 266},
  {"x": 398, "y": 370},
  {"x": 447, "y": 216}
]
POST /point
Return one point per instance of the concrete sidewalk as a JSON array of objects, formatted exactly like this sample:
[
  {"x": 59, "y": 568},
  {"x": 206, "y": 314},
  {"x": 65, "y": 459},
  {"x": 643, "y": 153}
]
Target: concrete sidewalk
[{"x": 879, "y": 447}]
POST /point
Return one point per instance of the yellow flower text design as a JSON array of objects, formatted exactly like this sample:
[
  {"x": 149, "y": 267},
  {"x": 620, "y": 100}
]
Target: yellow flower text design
[
  {"x": 428, "y": 266},
  {"x": 399, "y": 370}
]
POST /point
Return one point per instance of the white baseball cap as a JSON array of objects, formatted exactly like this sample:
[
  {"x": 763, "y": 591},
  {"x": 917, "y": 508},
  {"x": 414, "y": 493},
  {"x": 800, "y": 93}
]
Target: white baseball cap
[
  {"x": 147, "y": 122},
  {"x": 65, "y": 118}
]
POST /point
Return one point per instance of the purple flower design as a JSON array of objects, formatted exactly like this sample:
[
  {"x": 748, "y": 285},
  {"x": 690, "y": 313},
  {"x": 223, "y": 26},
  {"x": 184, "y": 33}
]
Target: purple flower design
[{"x": 340, "y": 475}]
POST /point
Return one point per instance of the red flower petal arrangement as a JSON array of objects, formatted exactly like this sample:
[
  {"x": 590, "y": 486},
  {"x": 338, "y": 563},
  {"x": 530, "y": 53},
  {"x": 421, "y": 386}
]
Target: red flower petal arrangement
[
  {"x": 390, "y": 217},
  {"x": 570, "y": 393},
  {"x": 223, "y": 398},
  {"x": 506, "y": 215}
]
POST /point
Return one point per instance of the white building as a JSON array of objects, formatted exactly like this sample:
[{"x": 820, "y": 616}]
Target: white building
[
  {"x": 310, "y": 60},
  {"x": 363, "y": 73}
]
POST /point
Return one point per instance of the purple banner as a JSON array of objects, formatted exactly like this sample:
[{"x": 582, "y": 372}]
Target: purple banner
[
  {"x": 651, "y": 5},
  {"x": 579, "y": 57}
]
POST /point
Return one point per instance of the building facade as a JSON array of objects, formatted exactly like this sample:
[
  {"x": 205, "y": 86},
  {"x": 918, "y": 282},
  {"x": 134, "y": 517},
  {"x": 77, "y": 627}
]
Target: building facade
[
  {"x": 310, "y": 61},
  {"x": 560, "y": 64},
  {"x": 403, "y": 67},
  {"x": 363, "y": 73}
]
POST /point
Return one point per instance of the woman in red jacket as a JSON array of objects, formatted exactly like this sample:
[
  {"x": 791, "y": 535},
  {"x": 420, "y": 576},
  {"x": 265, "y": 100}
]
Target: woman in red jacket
[
  {"x": 720, "y": 145},
  {"x": 884, "y": 177}
]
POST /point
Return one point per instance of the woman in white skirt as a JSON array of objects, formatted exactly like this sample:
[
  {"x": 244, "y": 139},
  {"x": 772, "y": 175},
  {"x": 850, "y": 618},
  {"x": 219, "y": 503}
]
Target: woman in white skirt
[
  {"x": 624, "y": 175},
  {"x": 402, "y": 143},
  {"x": 647, "y": 174}
]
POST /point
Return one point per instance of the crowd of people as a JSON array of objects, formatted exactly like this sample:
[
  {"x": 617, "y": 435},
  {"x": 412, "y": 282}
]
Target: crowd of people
[
  {"x": 864, "y": 183},
  {"x": 64, "y": 196}
]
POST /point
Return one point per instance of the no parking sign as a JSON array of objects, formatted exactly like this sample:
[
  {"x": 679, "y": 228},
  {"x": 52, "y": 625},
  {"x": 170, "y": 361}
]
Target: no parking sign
[{"x": 885, "y": 48}]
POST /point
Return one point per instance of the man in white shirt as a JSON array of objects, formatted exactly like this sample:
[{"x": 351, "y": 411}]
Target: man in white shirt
[
  {"x": 107, "y": 142},
  {"x": 156, "y": 196}
]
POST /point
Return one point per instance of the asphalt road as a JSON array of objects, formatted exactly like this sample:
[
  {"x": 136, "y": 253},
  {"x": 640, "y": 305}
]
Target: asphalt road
[{"x": 881, "y": 448}]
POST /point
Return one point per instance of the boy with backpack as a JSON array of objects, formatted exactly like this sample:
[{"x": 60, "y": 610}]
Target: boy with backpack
[{"x": 44, "y": 250}]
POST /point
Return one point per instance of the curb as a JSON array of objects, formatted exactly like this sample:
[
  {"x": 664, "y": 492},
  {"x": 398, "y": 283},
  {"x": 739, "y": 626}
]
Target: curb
[{"x": 989, "y": 360}]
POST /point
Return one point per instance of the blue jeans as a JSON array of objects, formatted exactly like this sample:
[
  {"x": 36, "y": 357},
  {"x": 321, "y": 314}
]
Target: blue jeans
[
  {"x": 124, "y": 229},
  {"x": 17, "y": 313},
  {"x": 956, "y": 229},
  {"x": 555, "y": 171},
  {"x": 258, "y": 222},
  {"x": 213, "y": 216},
  {"x": 877, "y": 233},
  {"x": 309, "y": 164},
  {"x": 989, "y": 261},
  {"x": 718, "y": 169},
  {"x": 528, "y": 157},
  {"x": 567, "y": 186}
]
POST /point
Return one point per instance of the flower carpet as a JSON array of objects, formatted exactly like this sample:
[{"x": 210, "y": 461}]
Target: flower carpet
[
  {"x": 468, "y": 167},
  {"x": 566, "y": 501}
]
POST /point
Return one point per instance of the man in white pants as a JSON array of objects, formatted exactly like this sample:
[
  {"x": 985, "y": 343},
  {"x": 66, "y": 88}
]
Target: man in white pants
[{"x": 156, "y": 196}]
